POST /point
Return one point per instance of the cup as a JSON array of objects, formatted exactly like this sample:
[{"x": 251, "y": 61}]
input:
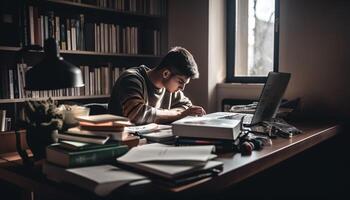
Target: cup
[{"x": 2, "y": 120}]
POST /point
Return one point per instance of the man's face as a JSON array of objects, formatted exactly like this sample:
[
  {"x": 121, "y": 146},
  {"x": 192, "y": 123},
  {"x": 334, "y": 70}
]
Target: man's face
[{"x": 175, "y": 83}]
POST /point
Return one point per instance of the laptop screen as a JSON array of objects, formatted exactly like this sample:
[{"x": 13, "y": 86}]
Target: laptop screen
[{"x": 271, "y": 96}]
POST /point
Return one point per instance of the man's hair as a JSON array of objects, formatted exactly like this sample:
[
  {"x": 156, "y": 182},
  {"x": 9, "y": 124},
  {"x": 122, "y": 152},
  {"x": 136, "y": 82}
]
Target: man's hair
[{"x": 180, "y": 62}]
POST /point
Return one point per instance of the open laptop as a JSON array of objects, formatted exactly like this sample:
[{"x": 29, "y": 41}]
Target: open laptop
[{"x": 269, "y": 101}]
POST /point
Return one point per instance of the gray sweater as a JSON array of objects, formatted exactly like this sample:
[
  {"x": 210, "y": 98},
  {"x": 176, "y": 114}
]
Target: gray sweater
[{"x": 135, "y": 97}]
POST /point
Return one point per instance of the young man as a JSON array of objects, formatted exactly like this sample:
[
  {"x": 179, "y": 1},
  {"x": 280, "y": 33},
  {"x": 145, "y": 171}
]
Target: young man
[{"x": 155, "y": 95}]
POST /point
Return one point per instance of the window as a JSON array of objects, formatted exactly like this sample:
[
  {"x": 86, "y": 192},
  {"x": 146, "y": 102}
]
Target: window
[{"x": 252, "y": 39}]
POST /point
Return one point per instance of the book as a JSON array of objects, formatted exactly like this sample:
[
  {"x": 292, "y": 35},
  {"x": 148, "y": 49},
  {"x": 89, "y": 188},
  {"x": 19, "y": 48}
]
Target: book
[
  {"x": 206, "y": 127},
  {"x": 160, "y": 136},
  {"x": 132, "y": 141},
  {"x": 106, "y": 126},
  {"x": 67, "y": 158},
  {"x": 110, "y": 134},
  {"x": 101, "y": 118},
  {"x": 159, "y": 152},
  {"x": 170, "y": 162},
  {"x": 174, "y": 170},
  {"x": 221, "y": 145},
  {"x": 100, "y": 179},
  {"x": 77, "y": 146},
  {"x": 82, "y": 137}
]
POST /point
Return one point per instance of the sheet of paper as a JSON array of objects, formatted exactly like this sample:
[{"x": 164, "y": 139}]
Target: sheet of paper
[{"x": 143, "y": 129}]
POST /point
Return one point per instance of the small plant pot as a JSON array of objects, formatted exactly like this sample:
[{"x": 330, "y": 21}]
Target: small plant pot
[{"x": 38, "y": 138}]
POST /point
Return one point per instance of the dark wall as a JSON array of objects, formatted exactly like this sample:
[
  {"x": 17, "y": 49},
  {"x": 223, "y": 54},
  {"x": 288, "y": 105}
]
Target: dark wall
[{"x": 314, "y": 47}]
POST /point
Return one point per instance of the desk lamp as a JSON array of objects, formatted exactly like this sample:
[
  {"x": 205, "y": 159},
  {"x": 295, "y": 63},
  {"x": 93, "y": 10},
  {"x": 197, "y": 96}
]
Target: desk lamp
[{"x": 53, "y": 72}]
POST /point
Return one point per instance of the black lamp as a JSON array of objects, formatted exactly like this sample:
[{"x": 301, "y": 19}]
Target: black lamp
[{"x": 53, "y": 72}]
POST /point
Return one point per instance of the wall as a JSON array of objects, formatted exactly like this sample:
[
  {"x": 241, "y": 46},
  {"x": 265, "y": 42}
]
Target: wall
[
  {"x": 314, "y": 41},
  {"x": 315, "y": 49},
  {"x": 188, "y": 27}
]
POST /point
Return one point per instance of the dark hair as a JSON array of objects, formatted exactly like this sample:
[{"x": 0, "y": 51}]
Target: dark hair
[{"x": 180, "y": 62}]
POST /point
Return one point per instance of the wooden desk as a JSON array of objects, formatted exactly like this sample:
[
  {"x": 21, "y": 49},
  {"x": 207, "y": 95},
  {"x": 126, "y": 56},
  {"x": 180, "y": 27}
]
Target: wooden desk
[{"x": 236, "y": 167}]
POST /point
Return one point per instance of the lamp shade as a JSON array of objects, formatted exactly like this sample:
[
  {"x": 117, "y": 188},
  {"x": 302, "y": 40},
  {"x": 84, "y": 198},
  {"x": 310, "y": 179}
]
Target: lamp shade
[{"x": 53, "y": 72}]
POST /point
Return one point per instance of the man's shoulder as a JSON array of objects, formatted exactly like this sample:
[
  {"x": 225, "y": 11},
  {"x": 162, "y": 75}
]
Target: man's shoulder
[
  {"x": 136, "y": 71},
  {"x": 134, "y": 74}
]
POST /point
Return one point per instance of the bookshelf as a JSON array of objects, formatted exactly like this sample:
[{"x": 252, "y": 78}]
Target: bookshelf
[{"x": 105, "y": 38}]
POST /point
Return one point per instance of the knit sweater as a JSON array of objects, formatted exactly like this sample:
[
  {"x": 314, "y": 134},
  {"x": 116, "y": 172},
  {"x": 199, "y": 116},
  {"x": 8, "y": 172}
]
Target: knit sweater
[{"x": 135, "y": 97}]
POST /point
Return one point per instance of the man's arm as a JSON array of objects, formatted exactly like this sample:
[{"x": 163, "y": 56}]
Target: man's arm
[{"x": 167, "y": 116}]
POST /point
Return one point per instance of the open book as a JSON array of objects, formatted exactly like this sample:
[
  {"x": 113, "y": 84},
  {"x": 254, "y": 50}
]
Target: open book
[{"x": 171, "y": 163}]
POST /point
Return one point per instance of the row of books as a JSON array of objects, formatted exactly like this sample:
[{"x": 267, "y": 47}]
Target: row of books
[
  {"x": 77, "y": 34},
  {"x": 98, "y": 80},
  {"x": 151, "y": 7}
]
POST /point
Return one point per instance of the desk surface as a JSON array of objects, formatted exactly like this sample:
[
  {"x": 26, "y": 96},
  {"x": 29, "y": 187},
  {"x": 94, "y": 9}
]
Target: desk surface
[{"x": 236, "y": 167}]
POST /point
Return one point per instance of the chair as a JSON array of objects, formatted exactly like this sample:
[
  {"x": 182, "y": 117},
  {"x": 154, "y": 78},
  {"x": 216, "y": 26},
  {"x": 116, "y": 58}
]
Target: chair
[{"x": 97, "y": 108}]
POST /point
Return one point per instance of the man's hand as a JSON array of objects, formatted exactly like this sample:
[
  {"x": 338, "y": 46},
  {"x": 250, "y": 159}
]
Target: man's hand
[{"x": 193, "y": 111}]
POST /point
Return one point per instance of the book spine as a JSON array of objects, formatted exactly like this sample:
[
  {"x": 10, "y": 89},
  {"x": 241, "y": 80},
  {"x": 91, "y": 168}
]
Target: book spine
[{"x": 96, "y": 156}]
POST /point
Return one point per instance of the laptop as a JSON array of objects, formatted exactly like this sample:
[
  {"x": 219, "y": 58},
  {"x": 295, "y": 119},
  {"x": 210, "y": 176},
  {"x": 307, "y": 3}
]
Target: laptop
[{"x": 269, "y": 101}]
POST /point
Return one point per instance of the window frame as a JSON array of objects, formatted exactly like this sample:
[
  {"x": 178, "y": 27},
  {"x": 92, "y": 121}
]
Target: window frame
[{"x": 230, "y": 41}]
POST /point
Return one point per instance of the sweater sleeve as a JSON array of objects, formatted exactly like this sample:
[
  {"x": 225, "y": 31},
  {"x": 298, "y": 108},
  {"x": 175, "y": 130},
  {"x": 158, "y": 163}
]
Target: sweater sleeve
[
  {"x": 179, "y": 100},
  {"x": 134, "y": 103}
]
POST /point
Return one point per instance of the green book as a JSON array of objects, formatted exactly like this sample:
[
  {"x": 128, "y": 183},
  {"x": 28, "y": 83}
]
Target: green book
[
  {"x": 78, "y": 146},
  {"x": 72, "y": 158}
]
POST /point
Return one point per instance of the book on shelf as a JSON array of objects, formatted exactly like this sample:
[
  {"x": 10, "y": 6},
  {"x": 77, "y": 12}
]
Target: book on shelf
[
  {"x": 69, "y": 158},
  {"x": 100, "y": 179},
  {"x": 170, "y": 163},
  {"x": 207, "y": 127}
]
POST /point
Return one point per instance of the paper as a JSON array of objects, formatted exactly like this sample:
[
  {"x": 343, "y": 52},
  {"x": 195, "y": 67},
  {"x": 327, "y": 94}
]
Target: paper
[
  {"x": 169, "y": 153},
  {"x": 147, "y": 128}
]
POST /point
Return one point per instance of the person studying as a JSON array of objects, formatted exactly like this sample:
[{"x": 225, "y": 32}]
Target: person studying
[{"x": 155, "y": 95}]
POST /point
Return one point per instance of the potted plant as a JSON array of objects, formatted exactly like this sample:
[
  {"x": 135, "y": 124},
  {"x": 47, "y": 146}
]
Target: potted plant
[{"x": 43, "y": 121}]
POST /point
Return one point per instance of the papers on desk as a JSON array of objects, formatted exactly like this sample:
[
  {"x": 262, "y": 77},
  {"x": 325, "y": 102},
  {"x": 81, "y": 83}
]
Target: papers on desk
[
  {"x": 153, "y": 132},
  {"x": 175, "y": 164},
  {"x": 148, "y": 128}
]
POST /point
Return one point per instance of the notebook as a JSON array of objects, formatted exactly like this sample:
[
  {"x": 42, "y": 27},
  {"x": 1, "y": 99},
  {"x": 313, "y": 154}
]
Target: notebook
[{"x": 269, "y": 101}]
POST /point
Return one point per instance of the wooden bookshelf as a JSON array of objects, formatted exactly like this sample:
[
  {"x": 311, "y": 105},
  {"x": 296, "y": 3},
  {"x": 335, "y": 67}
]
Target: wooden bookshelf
[
  {"x": 54, "y": 98},
  {"x": 87, "y": 6},
  {"x": 92, "y": 53},
  {"x": 146, "y": 21}
]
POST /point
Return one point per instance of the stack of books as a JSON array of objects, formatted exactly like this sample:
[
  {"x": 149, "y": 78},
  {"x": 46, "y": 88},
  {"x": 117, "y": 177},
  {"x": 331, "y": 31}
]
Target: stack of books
[
  {"x": 210, "y": 129},
  {"x": 172, "y": 165},
  {"x": 99, "y": 139},
  {"x": 101, "y": 128}
]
